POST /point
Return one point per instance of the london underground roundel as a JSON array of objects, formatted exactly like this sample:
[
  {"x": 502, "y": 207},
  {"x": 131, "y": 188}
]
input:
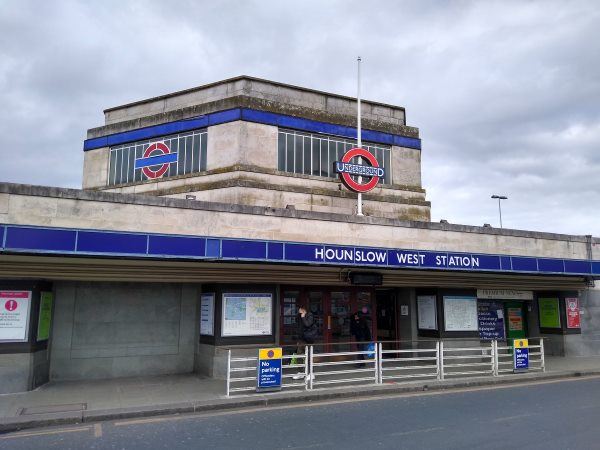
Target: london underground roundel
[
  {"x": 370, "y": 174},
  {"x": 154, "y": 155}
]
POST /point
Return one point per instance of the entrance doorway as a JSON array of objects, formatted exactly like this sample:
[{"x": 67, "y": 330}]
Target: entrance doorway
[
  {"x": 386, "y": 316},
  {"x": 332, "y": 308}
]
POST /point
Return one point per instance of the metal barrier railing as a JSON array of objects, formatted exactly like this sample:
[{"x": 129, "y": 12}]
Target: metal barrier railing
[
  {"x": 385, "y": 362},
  {"x": 296, "y": 362}
]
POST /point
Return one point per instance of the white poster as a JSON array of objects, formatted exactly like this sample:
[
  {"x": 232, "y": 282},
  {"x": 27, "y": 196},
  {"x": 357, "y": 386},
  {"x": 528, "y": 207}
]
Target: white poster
[
  {"x": 247, "y": 315},
  {"x": 427, "y": 312},
  {"x": 460, "y": 313},
  {"x": 207, "y": 314},
  {"x": 14, "y": 315}
]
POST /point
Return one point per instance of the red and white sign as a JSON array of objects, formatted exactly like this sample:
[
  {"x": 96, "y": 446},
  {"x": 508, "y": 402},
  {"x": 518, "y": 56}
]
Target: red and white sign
[
  {"x": 14, "y": 315},
  {"x": 573, "y": 316},
  {"x": 158, "y": 148},
  {"x": 369, "y": 174}
]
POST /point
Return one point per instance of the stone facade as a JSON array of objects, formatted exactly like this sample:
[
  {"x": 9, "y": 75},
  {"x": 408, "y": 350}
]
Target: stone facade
[{"x": 244, "y": 154}]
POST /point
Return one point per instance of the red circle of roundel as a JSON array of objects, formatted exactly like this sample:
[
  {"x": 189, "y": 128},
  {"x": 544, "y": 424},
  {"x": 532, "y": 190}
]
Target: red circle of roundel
[
  {"x": 161, "y": 146},
  {"x": 347, "y": 178},
  {"x": 270, "y": 353}
]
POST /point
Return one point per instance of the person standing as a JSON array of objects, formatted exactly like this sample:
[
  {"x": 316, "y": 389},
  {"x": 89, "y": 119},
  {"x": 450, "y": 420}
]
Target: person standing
[
  {"x": 359, "y": 328},
  {"x": 307, "y": 333}
]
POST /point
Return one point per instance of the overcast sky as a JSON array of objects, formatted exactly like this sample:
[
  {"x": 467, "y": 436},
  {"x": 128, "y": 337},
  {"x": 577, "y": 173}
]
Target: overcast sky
[{"x": 506, "y": 94}]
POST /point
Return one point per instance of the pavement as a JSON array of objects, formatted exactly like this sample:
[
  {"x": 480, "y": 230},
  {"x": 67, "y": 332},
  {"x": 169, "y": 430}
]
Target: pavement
[{"x": 58, "y": 403}]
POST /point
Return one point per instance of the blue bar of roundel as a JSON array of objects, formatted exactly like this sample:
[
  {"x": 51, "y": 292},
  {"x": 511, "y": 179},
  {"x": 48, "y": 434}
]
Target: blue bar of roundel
[
  {"x": 573, "y": 266},
  {"x": 1, "y": 237},
  {"x": 302, "y": 252},
  {"x": 596, "y": 268},
  {"x": 40, "y": 239},
  {"x": 155, "y": 160},
  {"x": 524, "y": 264},
  {"x": 241, "y": 249},
  {"x": 213, "y": 248},
  {"x": 176, "y": 246},
  {"x": 487, "y": 262},
  {"x": 505, "y": 263},
  {"x": 103, "y": 242},
  {"x": 275, "y": 250},
  {"x": 550, "y": 265}
]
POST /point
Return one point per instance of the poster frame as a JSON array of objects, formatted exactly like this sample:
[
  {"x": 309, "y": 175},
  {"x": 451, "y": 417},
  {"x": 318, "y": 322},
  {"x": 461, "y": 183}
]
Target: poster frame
[
  {"x": 209, "y": 296},
  {"x": 435, "y": 308},
  {"x": 558, "y": 313},
  {"x": 568, "y": 322},
  {"x": 28, "y": 318},
  {"x": 476, "y": 317},
  {"x": 224, "y": 297}
]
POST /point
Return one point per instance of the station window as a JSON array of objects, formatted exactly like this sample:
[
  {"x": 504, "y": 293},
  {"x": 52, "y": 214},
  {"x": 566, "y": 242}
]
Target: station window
[
  {"x": 187, "y": 155},
  {"x": 315, "y": 154}
]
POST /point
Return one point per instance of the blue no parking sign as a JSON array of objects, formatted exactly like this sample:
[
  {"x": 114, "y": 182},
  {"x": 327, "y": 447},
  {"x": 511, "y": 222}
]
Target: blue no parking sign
[
  {"x": 521, "y": 355},
  {"x": 268, "y": 374}
]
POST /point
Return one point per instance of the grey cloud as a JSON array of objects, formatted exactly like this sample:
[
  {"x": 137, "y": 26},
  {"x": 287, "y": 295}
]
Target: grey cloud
[{"x": 505, "y": 94}]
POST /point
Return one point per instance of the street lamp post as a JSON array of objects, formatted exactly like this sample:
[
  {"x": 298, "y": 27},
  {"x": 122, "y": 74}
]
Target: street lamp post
[{"x": 500, "y": 197}]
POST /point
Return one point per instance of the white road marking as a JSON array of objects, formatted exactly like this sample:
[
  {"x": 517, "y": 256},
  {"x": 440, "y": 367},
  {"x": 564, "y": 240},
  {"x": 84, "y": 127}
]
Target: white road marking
[
  {"x": 519, "y": 416},
  {"x": 422, "y": 430},
  {"x": 97, "y": 430}
]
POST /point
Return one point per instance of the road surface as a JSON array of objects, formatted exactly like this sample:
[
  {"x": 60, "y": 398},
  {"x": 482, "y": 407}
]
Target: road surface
[{"x": 549, "y": 415}]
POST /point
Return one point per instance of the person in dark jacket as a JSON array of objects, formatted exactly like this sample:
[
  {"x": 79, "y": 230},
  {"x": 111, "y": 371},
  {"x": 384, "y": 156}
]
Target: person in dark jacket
[
  {"x": 307, "y": 327},
  {"x": 359, "y": 328},
  {"x": 307, "y": 333}
]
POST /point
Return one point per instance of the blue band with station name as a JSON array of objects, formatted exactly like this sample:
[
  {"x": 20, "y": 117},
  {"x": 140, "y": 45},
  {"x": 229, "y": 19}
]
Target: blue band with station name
[{"x": 44, "y": 240}]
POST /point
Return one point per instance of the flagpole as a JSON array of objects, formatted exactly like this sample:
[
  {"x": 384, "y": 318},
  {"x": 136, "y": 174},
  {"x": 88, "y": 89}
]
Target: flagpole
[{"x": 359, "y": 137}]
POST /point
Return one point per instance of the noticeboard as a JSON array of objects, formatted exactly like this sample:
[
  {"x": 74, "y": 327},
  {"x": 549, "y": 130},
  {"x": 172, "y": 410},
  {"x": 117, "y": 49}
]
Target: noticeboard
[
  {"x": 549, "y": 312},
  {"x": 14, "y": 315},
  {"x": 427, "y": 312},
  {"x": 207, "y": 314},
  {"x": 45, "y": 318},
  {"x": 460, "y": 313},
  {"x": 490, "y": 315},
  {"x": 247, "y": 315}
]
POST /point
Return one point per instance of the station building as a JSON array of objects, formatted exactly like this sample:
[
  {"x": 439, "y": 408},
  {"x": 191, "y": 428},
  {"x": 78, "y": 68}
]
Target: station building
[{"x": 208, "y": 216}]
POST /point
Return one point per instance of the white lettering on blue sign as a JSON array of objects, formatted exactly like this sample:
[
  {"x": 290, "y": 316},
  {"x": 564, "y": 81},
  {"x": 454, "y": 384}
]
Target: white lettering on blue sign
[
  {"x": 413, "y": 259},
  {"x": 456, "y": 261},
  {"x": 351, "y": 255}
]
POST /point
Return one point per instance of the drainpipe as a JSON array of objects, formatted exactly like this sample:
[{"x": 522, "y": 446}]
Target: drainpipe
[{"x": 590, "y": 257}]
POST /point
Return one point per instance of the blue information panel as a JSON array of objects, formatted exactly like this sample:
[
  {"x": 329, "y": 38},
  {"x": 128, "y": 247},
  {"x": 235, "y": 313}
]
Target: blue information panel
[
  {"x": 490, "y": 315},
  {"x": 521, "y": 355},
  {"x": 269, "y": 369}
]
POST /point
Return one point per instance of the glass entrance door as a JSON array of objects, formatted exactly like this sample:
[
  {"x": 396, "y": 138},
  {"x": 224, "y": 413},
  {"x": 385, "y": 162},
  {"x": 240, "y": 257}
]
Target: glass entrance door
[
  {"x": 338, "y": 322},
  {"x": 332, "y": 309}
]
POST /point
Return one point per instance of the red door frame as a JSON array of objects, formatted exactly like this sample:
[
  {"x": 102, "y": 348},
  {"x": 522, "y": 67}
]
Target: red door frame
[{"x": 326, "y": 305}]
